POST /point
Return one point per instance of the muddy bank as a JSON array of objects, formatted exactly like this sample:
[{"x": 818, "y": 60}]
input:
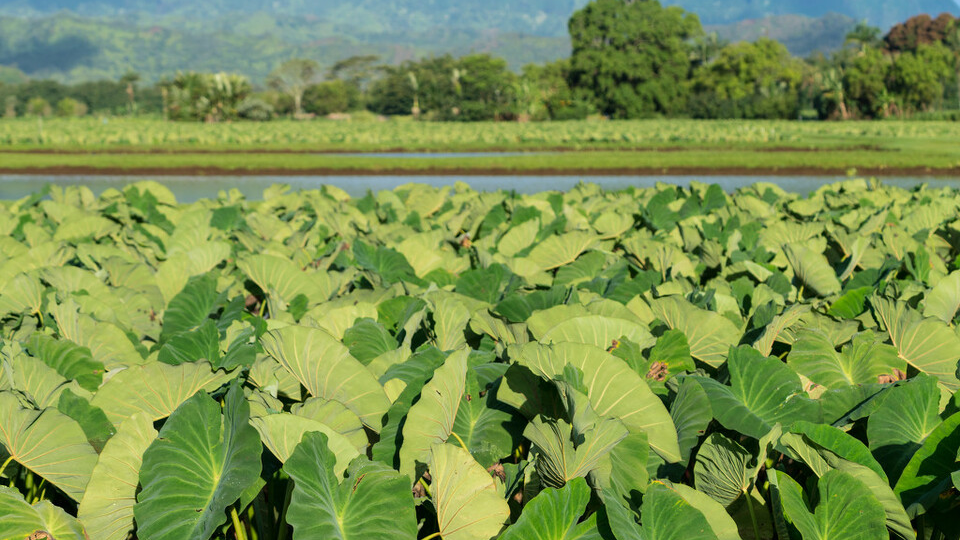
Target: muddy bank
[
  {"x": 485, "y": 171},
  {"x": 416, "y": 150}
]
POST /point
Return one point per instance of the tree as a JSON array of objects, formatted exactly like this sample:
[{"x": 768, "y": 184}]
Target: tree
[
  {"x": 748, "y": 80},
  {"x": 207, "y": 97},
  {"x": 329, "y": 97},
  {"x": 920, "y": 30},
  {"x": 356, "y": 70},
  {"x": 293, "y": 77},
  {"x": 69, "y": 107},
  {"x": 918, "y": 78},
  {"x": 544, "y": 93},
  {"x": 864, "y": 83},
  {"x": 863, "y": 36},
  {"x": 10, "y": 107},
  {"x": 483, "y": 89},
  {"x": 632, "y": 57},
  {"x": 129, "y": 80},
  {"x": 831, "y": 98},
  {"x": 39, "y": 107}
]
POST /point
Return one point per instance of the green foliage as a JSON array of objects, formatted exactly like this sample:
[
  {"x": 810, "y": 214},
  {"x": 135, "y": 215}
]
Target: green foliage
[
  {"x": 474, "y": 87},
  {"x": 332, "y": 97},
  {"x": 748, "y": 80},
  {"x": 553, "y": 378},
  {"x": 631, "y": 58},
  {"x": 206, "y": 97}
]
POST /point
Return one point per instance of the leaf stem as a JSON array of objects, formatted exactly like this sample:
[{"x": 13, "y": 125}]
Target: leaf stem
[
  {"x": 753, "y": 516},
  {"x": 238, "y": 530},
  {"x": 282, "y": 522},
  {"x": 426, "y": 488},
  {"x": 432, "y": 536},
  {"x": 454, "y": 433},
  {"x": 5, "y": 463}
]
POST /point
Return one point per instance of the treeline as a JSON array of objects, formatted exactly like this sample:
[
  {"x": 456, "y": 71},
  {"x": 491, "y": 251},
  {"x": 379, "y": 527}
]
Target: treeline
[{"x": 630, "y": 59}]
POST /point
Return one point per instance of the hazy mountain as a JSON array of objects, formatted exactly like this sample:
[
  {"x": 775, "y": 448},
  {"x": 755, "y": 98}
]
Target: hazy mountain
[
  {"x": 546, "y": 17},
  {"x": 75, "y": 40},
  {"x": 882, "y": 13},
  {"x": 802, "y": 35}
]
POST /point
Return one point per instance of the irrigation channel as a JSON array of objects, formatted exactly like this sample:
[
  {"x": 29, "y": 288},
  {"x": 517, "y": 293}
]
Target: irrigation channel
[{"x": 192, "y": 188}]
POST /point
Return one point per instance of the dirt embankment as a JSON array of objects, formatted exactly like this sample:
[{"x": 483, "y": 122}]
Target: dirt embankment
[
  {"x": 414, "y": 150},
  {"x": 484, "y": 171}
]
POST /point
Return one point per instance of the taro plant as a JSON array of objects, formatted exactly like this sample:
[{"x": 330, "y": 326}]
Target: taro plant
[{"x": 431, "y": 363}]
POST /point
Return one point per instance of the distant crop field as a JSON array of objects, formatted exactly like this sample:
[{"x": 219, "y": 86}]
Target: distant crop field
[
  {"x": 429, "y": 363},
  {"x": 93, "y": 133},
  {"x": 654, "y": 147}
]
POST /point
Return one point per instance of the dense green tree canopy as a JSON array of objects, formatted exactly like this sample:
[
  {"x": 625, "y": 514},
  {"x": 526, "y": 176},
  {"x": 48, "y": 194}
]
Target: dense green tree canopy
[
  {"x": 632, "y": 56},
  {"x": 748, "y": 80}
]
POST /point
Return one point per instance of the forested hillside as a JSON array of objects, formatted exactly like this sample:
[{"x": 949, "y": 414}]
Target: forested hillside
[
  {"x": 547, "y": 17},
  {"x": 82, "y": 40}
]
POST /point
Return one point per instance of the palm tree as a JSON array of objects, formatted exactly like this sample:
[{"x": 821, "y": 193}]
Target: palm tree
[
  {"x": 131, "y": 79},
  {"x": 863, "y": 35},
  {"x": 706, "y": 47},
  {"x": 415, "y": 110},
  {"x": 831, "y": 87},
  {"x": 292, "y": 78},
  {"x": 455, "y": 77}
]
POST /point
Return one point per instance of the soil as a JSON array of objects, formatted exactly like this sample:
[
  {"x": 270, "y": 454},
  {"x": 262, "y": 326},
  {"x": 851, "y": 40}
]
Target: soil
[
  {"x": 484, "y": 171},
  {"x": 495, "y": 150}
]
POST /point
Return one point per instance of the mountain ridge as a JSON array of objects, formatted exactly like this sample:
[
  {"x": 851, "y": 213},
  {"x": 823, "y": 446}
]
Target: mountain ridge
[{"x": 541, "y": 17}]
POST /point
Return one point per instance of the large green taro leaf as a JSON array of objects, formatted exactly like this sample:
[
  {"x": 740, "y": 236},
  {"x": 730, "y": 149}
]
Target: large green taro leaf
[
  {"x": 825, "y": 448},
  {"x": 337, "y": 416},
  {"x": 559, "y": 460},
  {"x": 414, "y": 373},
  {"x": 373, "y": 502},
  {"x": 368, "y": 339},
  {"x": 431, "y": 420},
  {"x": 812, "y": 269},
  {"x": 692, "y": 413},
  {"x": 281, "y": 277},
  {"x": 716, "y": 515},
  {"x": 598, "y": 331},
  {"x": 614, "y": 389},
  {"x": 723, "y": 469},
  {"x": 156, "y": 389},
  {"x": 326, "y": 369},
  {"x": 943, "y": 301},
  {"x": 106, "y": 510},
  {"x": 927, "y": 344},
  {"x": 666, "y": 516},
  {"x": 709, "y": 334},
  {"x": 450, "y": 317},
  {"x": 71, "y": 361},
  {"x": 40, "y": 383},
  {"x": 557, "y": 251},
  {"x": 930, "y": 470},
  {"x": 191, "y": 306},
  {"x": 763, "y": 391},
  {"x": 49, "y": 443},
  {"x": 388, "y": 263},
  {"x": 469, "y": 507},
  {"x": 846, "y": 511},
  {"x": 624, "y": 471},
  {"x": 20, "y": 521},
  {"x": 899, "y": 425},
  {"x": 774, "y": 331},
  {"x": 488, "y": 428},
  {"x": 199, "y": 465},
  {"x": 861, "y": 362},
  {"x": 554, "y": 514},
  {"x": 281, "y": 433}
]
